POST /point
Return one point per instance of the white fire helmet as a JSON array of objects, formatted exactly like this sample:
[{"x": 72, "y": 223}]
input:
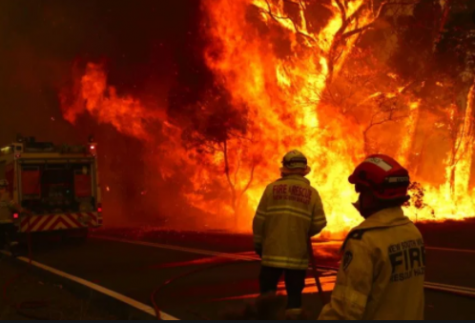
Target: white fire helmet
[
  {"x": 3, "y": 183},
  {"x": 295, "y": 162}
]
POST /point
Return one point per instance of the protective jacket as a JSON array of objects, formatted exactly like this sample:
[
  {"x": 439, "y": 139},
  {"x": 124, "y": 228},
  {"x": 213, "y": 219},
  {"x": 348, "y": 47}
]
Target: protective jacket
[
  {"x": 6, "y": 206},
  {"x": 381, "y": 276},
  {"x": 289, "y": 213}
]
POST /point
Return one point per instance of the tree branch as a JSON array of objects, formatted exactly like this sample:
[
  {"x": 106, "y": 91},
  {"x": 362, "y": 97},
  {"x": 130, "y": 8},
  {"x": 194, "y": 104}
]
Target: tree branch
[
  {"x": 372, "y": 124},
  {"x": 276, "y": 18},
  {"x": 237, "y": 170},
  {"x": 342, "y": 34},
  {"x": 251, "y": 178},
  {"x": 240, "y": 136},
  {"x": 226, "y": 167},
  {"x": 342, "y": 12}
]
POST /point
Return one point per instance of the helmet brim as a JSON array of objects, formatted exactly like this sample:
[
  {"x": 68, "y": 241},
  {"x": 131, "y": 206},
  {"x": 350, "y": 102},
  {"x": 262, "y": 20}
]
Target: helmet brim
[{"x": 295, "y": 171}]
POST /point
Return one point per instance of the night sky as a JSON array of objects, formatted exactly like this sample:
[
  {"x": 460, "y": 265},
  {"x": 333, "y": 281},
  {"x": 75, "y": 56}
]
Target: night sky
[
  {"x": 140, "y": 42},
  {"x": 146, "y": 47}
]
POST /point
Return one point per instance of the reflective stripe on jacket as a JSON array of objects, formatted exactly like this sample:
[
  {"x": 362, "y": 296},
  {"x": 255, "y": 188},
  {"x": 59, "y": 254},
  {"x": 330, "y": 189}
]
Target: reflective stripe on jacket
[
  {"x": 381, "y": 276},
  {"x": 289, "y": 213}
]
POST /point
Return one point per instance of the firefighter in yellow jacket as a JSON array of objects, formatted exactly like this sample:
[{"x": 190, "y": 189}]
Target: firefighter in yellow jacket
[
  {"x": 382, "y": 271},
  {"x": 290, "y": 212}
]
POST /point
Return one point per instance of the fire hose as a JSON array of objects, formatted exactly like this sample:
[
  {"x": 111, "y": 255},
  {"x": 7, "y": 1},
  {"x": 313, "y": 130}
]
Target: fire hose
[
  {"x": 428, "y": 286},
  {"x": 38, "y": 304},
  {"x": 313, "y": 263},
  {"x": 315, "y": 273}
]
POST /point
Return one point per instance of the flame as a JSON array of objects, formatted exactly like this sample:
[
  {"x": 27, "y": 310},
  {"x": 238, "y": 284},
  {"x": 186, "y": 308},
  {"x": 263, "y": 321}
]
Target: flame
[
  {"x": 278, "y": 68},
  {"x": 100, "y": 100},
  {"x": 454, "y": 198},
  {"x": 294, "y": 85},
  {"x": 411, "y": 125}
]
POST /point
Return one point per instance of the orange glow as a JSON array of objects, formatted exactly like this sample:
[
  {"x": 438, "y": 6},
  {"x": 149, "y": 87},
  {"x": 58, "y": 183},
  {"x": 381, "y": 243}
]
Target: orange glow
[
  {"x": 411, "y": 125},
  {"x": 291, "y": 77},
  {"x": 455, "y": 198},
  {"x": 100, "y": 100}
]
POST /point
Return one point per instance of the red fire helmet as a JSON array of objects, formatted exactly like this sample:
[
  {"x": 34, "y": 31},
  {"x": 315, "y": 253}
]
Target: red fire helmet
[{"x": 384, "y": 176}]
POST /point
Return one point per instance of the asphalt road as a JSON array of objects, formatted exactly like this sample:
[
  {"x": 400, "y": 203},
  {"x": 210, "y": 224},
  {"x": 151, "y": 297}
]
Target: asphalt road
[
  {"x": 137, "y": 270},
  {"x": 22, "y": 288}
]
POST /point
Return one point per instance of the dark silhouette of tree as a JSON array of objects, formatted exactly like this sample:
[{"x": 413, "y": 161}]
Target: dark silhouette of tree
[{"x": 212, "y": 125}]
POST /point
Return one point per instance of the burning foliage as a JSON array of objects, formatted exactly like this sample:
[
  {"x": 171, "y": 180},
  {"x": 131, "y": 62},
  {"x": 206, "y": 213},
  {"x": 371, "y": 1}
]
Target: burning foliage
[
  {"x": 417, "y": 192},
  {"x": 337, "y": 79}
]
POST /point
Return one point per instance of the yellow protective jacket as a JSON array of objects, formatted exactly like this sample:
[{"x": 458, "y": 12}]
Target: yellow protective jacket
[
  {"x": 289, "y": 213},
  {"x": 381, "y": 276}
]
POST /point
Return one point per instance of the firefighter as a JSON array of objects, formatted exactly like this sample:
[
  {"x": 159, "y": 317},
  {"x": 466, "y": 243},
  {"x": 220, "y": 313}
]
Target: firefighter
[
  {"x": 289, "y": 213},
  {"x": 381, "y": 276},
  {"x": 7, "y": 207}
]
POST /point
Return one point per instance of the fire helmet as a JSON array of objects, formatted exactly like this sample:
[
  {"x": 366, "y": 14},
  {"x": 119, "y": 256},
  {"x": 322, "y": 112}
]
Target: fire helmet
[
  {"x": 295, "y": 162},
  {"x": 3, "y": 183},
  {"x": 383, "y": 176}
]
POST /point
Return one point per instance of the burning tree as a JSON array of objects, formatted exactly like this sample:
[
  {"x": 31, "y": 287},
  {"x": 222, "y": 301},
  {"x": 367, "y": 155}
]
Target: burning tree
[
  {"x": 459, "y": 43},
  {"x": 336, "y": 78},
  {"x": 214, "y": 128}
]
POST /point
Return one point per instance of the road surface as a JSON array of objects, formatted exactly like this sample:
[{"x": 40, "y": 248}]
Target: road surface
[{"x": 136, "y": 270}]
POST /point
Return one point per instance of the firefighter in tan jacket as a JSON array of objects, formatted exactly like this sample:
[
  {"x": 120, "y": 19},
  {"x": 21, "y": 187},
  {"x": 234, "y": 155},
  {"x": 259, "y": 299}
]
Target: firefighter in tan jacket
[
  {"x": 382, "y": 271},
  {"x": 290, "y": 212}
]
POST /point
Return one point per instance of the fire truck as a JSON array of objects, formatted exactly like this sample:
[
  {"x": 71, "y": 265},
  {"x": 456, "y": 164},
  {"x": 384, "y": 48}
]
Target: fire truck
[{"x": 55, "y": 187}]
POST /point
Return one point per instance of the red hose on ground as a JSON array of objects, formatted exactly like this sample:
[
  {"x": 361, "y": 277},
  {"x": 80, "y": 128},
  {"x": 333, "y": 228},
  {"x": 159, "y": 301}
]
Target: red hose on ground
[
  {"x": 315, "y": 273},
  {"x": 192, "y": 272}
]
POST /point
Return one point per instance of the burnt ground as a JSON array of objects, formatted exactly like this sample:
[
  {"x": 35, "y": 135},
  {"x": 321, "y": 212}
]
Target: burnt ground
[{"x": 25, "y": 295}]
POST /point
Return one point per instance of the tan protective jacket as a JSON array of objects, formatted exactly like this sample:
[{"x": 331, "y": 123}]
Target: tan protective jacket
[
  {"x": 381, "y": 276},
  {"x": 289, "y": 213},
  {"x": 6, "y": 206}
]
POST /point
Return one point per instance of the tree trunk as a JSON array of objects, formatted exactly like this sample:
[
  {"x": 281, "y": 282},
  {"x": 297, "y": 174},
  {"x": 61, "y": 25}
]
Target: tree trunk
[{"x": 452, "y": 180}]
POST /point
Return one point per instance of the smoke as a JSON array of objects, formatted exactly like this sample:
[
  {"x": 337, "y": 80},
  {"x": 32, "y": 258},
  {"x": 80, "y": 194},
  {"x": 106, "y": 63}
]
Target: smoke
[
  {"x": 144, "y": 46},
  {"x": 149, "y": 58},
  {"x": 395, "y": 70}
]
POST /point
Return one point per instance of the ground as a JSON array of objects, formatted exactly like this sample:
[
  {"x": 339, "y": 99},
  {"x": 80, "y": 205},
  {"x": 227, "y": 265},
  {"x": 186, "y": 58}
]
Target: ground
[
  {"x": 205, "y": 285},
  {"x": 25, "y": 296}
]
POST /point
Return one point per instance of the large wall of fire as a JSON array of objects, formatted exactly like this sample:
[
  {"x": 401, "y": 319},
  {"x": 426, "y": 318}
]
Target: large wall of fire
[{"x": 336, "y": 79}]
